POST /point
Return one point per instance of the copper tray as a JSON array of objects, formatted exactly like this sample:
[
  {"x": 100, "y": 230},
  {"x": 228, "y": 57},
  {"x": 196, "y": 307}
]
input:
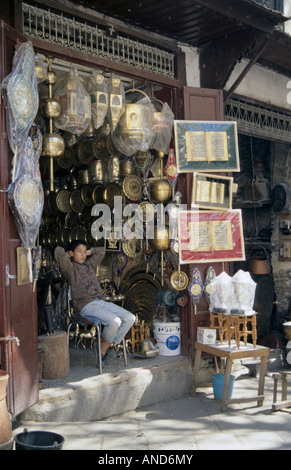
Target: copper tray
[{"x": 132, "y": 187}]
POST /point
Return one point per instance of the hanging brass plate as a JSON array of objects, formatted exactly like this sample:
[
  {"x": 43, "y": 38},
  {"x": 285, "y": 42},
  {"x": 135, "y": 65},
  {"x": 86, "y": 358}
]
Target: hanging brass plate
[
  {"x": 52, "y": 205},
  {"x": 132, "y": 187},
  {"x": 71, "y": 219},
  {"x": 63, "y": 200},
  {"x": 179, "y": 280}
]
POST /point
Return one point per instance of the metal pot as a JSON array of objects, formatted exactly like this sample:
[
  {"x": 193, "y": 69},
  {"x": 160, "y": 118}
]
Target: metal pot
[
  {"x": 161, "y": 240},
  {"x": 259, "y": 264},
  {"x": 160, "y": 191}
]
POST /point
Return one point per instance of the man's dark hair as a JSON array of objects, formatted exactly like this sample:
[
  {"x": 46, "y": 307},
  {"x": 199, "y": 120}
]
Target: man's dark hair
[{"x": 73, "y": 245}]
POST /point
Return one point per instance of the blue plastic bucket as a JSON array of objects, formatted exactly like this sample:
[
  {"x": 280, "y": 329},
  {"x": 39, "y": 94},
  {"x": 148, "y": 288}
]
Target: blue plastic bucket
[{"x": 218, "y": 383}]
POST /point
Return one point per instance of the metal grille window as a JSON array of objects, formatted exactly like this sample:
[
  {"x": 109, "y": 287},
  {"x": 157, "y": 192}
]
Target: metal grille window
[
  {"x": 257, "y": 119},
  {"x": 94, "y": 40}
]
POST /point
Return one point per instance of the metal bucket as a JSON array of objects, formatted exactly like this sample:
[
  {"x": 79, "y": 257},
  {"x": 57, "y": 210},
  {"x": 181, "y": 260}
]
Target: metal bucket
[
  {"x": 259, "y": 264},
  {"x": 38, "y": 440}
]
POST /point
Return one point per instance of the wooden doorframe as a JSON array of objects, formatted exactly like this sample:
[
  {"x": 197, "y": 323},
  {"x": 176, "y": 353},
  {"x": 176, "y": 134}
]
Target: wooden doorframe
[
  {"x": 200, "y": 104},
  {"x": 18, "y": 312}
]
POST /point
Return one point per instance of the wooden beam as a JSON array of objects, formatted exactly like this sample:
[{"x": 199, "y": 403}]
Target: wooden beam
[{"x": 219, "y": 57}]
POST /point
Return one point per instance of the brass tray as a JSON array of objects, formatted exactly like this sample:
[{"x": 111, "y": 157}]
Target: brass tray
[
  {"x": 76, "y": 203},
  {"x": 111, "y": 190},
  {"x": 179, "y": 280},
  {"x": 132, "y": 187},
  {"x": 63, "y": 200}
]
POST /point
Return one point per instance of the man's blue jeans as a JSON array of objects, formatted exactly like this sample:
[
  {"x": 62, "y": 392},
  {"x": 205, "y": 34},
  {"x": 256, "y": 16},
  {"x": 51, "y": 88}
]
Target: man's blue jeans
[{"x": 116, "y": 320}]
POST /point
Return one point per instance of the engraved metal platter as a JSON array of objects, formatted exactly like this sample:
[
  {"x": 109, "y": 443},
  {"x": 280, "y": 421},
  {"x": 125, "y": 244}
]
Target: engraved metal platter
[
  {"x": 179, "y": 280},
  {"x": 132, "y": 187},
  {"x": 63, "y": 200}
]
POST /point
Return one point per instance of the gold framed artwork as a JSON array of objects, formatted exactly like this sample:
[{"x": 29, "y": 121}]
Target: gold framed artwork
[
  {"x": 212, "y": 191},
  {"x": 208, "y": 236},
  {"x": 206, "y": 146}
]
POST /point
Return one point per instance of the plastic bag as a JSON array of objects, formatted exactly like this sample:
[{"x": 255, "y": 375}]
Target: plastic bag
[
  {"x": 134, "y": 131},
  {"x": 21, "y": 95},
  {"x": 163, "y": 121},
  {"x": 98, "y": 91},
  {"x": 25, "y": 193},
  {"x": 221, "y": 294},
  {"x": 244, "y": 292},
  {"x": 75, "y": 104}
]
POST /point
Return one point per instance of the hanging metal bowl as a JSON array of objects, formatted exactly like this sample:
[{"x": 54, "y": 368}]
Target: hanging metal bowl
[{"x": 65, "y": 160}]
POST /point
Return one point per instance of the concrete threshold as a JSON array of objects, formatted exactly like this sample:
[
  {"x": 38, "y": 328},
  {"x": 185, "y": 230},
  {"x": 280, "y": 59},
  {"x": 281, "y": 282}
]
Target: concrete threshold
[{"x": 110, "y": 394}]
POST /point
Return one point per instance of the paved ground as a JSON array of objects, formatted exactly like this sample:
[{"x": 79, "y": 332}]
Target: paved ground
[{"x": 185, "y": 424}]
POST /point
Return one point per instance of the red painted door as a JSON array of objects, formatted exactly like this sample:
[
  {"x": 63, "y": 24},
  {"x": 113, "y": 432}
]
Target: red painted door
[
  {"x": 200, "y": 104},
  {"x": 18, "y": 308}
]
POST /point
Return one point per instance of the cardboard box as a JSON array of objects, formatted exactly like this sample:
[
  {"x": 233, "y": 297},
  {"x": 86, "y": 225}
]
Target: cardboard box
[{"x": 206, "y": 335}]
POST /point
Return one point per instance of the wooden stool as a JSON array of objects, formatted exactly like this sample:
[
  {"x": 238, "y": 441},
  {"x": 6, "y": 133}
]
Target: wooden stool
[
  {"x": 239, "y": 326},
  {"x": 217, "y": 321},
  {"x": 284, "y": 403}
]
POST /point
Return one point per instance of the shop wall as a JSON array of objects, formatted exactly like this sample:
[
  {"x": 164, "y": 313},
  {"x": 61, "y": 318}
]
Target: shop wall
[{"x": 262, "y": 84}]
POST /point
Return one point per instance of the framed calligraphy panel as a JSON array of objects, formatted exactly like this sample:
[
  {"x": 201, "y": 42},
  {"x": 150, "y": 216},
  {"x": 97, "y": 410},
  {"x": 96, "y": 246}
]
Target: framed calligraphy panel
[
  {"x": 207, "y": 236},
  {"x": 206, "y": 146},
  {"x": 212, "y": 191}
]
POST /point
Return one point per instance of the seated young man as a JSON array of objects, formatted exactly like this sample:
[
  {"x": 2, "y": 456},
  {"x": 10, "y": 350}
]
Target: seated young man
[{"x": 86, "y": 291}]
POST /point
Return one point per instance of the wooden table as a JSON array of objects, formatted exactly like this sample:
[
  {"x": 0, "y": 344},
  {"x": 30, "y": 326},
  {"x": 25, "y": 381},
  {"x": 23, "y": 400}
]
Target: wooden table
[{"x": 232, "y": 353}]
